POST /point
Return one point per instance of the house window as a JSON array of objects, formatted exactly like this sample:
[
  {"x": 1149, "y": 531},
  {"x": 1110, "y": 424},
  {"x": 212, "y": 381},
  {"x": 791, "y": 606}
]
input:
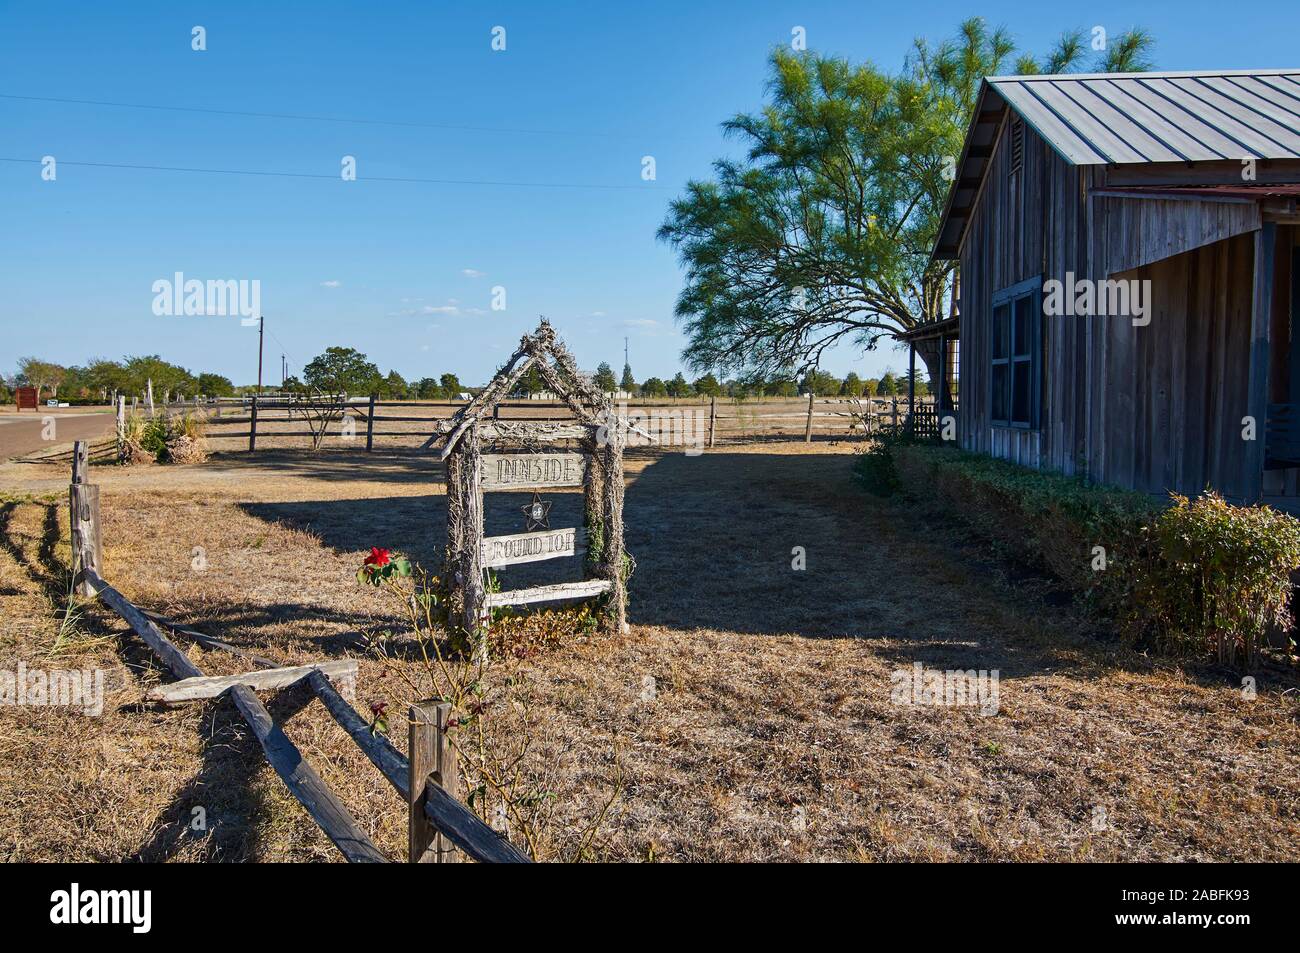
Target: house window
[{"x": 1016, "y": 355}]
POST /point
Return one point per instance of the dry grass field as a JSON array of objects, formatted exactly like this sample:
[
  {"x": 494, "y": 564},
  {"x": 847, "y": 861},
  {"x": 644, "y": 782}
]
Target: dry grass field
[{"x": 770, "y": 736}]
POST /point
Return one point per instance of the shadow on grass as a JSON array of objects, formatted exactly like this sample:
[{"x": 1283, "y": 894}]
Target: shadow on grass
[
  {"x": 220, "y": 809},
  {"x": 776, "y": 544},
  {"x": 391, "y": 465},
  {"x": 46, "y": 570},
  {"x": 766, "y": 544}
]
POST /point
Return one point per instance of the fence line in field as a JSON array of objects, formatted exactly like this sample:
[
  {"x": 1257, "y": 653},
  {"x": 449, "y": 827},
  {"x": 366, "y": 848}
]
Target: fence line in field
[
  {"x": 719, "y": 418},
  {"x": 428, "y": 779}
]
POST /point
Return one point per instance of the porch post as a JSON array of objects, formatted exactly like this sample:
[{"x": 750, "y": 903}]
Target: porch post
[
  {"x": 1257, "y": 388},
  {"x": 911, "y": 388},
  {"x": 941, "y": 399}
]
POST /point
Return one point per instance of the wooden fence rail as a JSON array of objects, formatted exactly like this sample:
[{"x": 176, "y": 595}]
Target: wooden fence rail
[
  {"x": 300, "y": 777},
  {"x": 716, "y": 418},
  {"x": 439, "y": 823}
]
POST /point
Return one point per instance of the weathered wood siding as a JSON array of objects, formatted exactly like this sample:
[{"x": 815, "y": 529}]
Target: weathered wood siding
[
  {"x": 1155, "y": 408},
  {"x": 1140, "y": 231},
  {"x": 1282, "y": 482},
  {"x": 1173, "y": 394},
  {"x": 1036, "y": 226}
]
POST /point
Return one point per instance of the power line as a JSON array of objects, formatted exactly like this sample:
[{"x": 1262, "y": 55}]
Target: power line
[
  {"x": 360, "y": 178},
  {"x": 279, "y": 342},
  {"x": 413, "y": 124}
]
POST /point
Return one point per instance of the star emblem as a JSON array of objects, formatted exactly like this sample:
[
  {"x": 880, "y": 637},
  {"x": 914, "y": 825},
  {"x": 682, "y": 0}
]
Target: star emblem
[{"x": 537, "y": 514}]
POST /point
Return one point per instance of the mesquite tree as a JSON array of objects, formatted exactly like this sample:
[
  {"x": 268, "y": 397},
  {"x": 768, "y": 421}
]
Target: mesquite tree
[{"x": 823, "y": 232}]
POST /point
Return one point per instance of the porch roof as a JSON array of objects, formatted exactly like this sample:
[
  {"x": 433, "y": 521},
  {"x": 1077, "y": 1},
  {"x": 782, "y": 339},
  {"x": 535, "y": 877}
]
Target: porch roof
[{"x": 948, "y": 327}]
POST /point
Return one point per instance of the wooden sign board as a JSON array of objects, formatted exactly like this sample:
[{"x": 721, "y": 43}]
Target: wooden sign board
[
  {"x": 26, "y": 398},
  {"x": 529, "y": 547},
  {"x": 527, "y": 471}
]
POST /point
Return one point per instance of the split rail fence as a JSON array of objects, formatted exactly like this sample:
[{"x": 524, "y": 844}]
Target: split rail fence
[{"x": 427, "y": 779}]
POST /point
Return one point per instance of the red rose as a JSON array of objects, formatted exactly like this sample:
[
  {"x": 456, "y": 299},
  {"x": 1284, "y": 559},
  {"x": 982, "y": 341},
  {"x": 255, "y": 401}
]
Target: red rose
[{"x": 377, "y": 557}]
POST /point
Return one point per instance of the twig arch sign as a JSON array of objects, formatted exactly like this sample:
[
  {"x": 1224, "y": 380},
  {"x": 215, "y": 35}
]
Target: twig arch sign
[{"x": 596, "y": 466}]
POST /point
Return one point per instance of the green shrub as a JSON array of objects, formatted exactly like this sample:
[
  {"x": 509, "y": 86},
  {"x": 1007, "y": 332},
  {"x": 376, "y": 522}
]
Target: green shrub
[
  {"x": 875, "y": 468},
  {"x": 1224, "y": 577},
  {"x": 1045, "y": 518},
  {"x": 154, "y": 434},
  {"x": 1187, "y": 577}
]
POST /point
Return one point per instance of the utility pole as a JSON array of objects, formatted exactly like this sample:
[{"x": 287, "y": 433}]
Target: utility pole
[
  {"x": 284, "y": 371},
  {"x": 261, "y": 328}
]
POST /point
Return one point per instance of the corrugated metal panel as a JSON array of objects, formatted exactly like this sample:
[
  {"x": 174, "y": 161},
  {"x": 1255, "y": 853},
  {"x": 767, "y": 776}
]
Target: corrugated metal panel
[
  {"x": 1288, "y": 119},
  {"x": 1217, "y": 143},
  {"x": 1132, "y": 118},
  {"x": 1144, "y": 144},
  {"x": 1088, "y": 127},
  {"x": 1283, "y": 104},
  {"x": 1064, "y": 138},
  {"x": 1180, "y": 142}
]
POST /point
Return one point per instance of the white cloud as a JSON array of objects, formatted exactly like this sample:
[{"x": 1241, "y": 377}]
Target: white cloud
[
  {"x": 452, "y": 308},
  {"x": 640, "y": 323},
  {"x": 473, "y": 273},
  {"x": 331, "y": 284}
]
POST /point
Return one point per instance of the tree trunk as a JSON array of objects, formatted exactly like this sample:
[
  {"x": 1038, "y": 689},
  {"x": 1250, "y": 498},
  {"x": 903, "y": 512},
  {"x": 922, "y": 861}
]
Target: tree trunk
[{"x": 928, "y": 351}]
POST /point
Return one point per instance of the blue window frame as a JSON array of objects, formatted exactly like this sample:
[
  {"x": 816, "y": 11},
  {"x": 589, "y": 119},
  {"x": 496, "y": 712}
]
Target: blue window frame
[{"x": 1015, "y": 359}]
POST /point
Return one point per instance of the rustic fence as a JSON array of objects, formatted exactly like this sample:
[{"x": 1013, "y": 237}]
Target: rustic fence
[
  {"x": 710, "y": 421},
  {"x": 441, "y": 828}
]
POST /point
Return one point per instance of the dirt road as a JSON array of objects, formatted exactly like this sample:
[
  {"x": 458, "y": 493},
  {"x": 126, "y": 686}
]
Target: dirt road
[{"x": 24, "y": 433}]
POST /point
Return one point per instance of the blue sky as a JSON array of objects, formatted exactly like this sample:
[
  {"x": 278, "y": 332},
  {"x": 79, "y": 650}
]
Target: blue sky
[{"x": 404, "y": 270}]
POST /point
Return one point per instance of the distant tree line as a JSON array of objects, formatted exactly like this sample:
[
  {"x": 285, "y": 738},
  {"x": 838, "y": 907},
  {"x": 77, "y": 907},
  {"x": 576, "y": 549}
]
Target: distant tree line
[
  {"x": 345, "y": 370},
  {"x": 99, "y": 378},
  {"x": 819, "y": 382}
]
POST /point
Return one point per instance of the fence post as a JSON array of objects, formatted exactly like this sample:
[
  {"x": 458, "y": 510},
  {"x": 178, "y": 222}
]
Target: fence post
[
  {"x": 432, "y": 761},
  {"x": 370, "y": 424},
  {"x": 149, "y": 393},
  {"x": 895, "y": 413},
  {"x": 83, "y": 517},
  {"x": 713, "y": 418},
  {"x": 807, "y": 430},
  {"x": 121, "y": 426},
  {"x": 252, "y": 426}
]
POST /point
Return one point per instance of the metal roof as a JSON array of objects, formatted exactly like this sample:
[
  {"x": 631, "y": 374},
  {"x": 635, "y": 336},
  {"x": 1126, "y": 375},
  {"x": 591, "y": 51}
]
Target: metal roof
[
  {"x": 1125, "y": 118},
  {"x": 1129, "y": 119}
]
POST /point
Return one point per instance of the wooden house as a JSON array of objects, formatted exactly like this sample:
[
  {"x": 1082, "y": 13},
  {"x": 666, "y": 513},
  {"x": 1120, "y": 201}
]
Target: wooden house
[{"x": 1129, "y": 273}]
